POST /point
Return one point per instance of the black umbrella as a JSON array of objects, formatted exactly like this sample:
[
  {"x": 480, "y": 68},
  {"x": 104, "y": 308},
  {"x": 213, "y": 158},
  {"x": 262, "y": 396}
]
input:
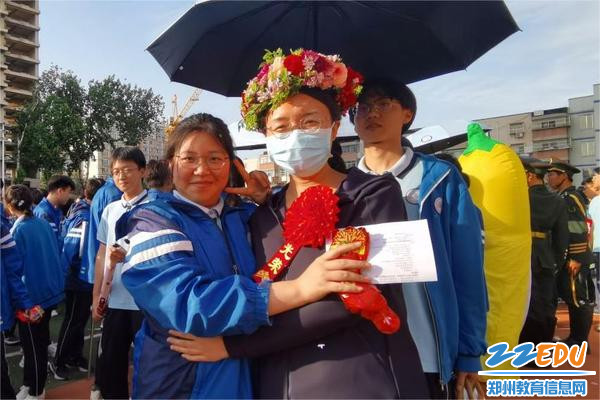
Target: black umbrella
[{"x": 218, "y": 45}]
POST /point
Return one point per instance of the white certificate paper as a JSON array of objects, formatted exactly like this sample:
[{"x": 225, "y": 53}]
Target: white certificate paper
[{"x": 401, "y": 252}]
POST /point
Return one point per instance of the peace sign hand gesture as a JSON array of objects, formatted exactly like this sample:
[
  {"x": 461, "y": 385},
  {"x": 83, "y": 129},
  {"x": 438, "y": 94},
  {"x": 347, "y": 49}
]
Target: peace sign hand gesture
[{"x": 257, "y": 183}]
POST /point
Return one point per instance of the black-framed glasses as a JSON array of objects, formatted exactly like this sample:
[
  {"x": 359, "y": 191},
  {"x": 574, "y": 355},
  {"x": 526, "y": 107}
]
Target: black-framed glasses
[
  {"x": 125, "y": 171},
  {"x": 380, "y": 106}
]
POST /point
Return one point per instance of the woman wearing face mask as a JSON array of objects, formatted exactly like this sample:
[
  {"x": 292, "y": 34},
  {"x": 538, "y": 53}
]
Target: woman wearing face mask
[
  {"x": 320, "y": 350},
  {"x": 189, "y": 264}
]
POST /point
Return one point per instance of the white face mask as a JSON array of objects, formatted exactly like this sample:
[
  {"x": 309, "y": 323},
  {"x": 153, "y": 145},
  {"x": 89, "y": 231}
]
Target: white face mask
[{"x": 300, "y": 153}]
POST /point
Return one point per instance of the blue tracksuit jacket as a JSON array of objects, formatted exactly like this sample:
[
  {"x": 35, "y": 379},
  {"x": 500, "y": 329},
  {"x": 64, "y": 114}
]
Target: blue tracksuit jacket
[
  {"x": 43, "y": 273},
  {"x": 4, "y": 218},
  {"x": 52, "y": 215},
  {"x": 186, "y": 274},
  {"x": 458, "y": 300},
  {"x": 14, "y": 293},
  {"x": 75, "y": 242}
]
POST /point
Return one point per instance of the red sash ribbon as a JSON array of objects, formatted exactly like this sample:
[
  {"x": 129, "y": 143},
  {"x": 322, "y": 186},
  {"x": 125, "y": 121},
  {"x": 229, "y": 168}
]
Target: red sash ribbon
[{"x": 309, "y": 221}]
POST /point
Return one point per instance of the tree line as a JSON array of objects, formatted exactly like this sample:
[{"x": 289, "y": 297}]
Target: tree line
[{"x": 66, "y": 122}]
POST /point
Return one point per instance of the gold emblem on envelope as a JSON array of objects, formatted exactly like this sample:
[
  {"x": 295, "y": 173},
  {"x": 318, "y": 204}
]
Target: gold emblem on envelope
[{"x": 351, "y": 235}]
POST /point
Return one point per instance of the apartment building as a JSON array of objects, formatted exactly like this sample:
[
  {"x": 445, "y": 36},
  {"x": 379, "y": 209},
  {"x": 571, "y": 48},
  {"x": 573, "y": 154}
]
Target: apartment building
[
  {"x": 19, "y": 72},
  {"x": 584, "y": 131},
  {"x": 570, "y": 134}
]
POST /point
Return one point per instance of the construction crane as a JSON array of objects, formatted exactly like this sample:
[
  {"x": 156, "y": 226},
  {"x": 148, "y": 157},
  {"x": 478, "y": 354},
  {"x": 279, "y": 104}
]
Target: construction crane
[{"x": 176, "y": 116}]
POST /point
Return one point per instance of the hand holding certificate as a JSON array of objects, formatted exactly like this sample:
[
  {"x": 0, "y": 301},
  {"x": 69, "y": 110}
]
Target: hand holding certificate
[
  {"x": 401, "y": 252},
  {"x": 369, "y": 303}
]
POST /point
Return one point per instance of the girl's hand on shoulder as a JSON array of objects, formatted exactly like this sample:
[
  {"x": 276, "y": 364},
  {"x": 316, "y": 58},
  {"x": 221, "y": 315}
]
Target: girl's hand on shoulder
[{"x": 198, "y": 349}]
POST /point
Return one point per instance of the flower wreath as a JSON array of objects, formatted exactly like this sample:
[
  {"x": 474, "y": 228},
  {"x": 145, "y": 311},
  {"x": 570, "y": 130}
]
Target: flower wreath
[{"x": 283, "y": 76}]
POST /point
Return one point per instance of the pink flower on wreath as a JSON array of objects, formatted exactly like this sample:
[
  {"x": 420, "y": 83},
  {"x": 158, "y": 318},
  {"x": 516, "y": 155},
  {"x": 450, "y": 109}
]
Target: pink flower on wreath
[
  {"x": 263, "y": 71},
  {"x": 263, "y": 96},
  {"x": 322, "y": 65},
  {"x": 310, "y": 54},
  {"x": 309, "y": 57},
  {"x": 326, "y": 81},
  {"x": 340, "y": 74},
  {"x": 312, "y": 81},
  {"x": 271, "y": 89}
]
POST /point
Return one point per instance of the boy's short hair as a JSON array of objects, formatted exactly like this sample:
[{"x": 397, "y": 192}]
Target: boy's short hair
[
  {"x": 391, "y": 89},
  {"x": 158, "y": 174},
  {"x": 37, "y": 195},
  {"x": 128, "y": 153},
  {"x": 91, "y": 187},
  {"x": 60, "y": 182}
]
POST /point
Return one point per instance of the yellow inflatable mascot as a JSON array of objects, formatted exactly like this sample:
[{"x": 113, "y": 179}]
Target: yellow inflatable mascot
[{"x": 499, "y": 189}]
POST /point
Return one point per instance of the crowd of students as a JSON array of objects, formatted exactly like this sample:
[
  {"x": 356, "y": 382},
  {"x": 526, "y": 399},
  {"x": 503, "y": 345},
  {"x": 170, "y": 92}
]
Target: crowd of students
[{"x": 49, "y": 257}]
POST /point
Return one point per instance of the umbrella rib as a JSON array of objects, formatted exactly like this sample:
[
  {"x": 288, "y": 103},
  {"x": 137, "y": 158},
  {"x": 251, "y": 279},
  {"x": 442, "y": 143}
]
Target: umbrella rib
[
  {"x": 373, "y": 5},
  {"x": 343, "y": 14},
  {"x": 216, "y": 27},
  {"x": 251, "y": 44},
  {"x": 457, "y": 62},
  {"x": 244, "y": 15},
  {"x": 340, "y": 11},
  {"x": 315, "y": 17}
]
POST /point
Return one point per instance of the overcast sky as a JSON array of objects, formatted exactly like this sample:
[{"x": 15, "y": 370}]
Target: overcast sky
[{"x": 554, "y": 57}]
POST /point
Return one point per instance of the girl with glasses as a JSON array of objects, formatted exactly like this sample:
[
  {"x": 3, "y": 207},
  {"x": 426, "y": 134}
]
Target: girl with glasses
[{"x": 189, "y": 266}]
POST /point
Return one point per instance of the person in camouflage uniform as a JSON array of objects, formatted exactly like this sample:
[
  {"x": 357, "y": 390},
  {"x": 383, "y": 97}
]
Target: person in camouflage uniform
[
  {"x": 550, "y": 241},
  {"x": 574, "y": 281}
]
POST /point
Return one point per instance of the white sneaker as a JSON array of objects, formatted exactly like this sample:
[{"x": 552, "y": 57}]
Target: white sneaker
[
  {"x": 52, "y": 350},
  {"x": 23, "y": 392},
  {"x": 95, "y": 393},
  {"x": 41, "y": 396}
]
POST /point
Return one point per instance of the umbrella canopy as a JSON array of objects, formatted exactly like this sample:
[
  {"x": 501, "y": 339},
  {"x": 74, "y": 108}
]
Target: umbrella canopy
[
  {"x": 218, "y": 45},
  {"x": 244, "y": 139}
]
